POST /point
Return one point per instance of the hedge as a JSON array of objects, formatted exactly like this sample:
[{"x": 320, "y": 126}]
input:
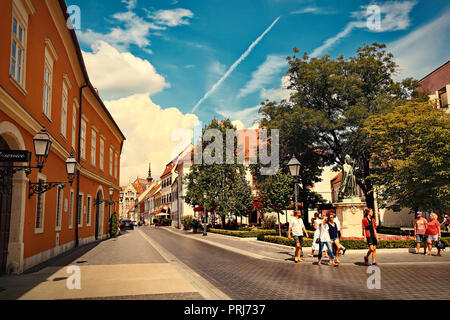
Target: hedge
[
  {"x": 243, "y": 234},
  {"x": 349, "y": 244}
]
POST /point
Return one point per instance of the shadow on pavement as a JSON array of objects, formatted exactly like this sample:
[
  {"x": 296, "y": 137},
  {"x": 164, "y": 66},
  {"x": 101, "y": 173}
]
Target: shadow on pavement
[{"x": 14, "y": 286}]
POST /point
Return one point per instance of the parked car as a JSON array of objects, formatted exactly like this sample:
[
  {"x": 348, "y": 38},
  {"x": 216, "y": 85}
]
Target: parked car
[
  {"x": 135, "y": 223},
  {"x": 126, "y": 224}
]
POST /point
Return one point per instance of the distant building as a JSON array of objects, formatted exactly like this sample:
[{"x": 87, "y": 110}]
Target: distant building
[{"x": 437, "y": 85}]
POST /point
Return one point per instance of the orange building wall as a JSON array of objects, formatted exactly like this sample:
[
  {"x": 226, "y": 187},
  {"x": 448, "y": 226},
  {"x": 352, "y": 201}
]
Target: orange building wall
[{"x": 41, "y": 26}]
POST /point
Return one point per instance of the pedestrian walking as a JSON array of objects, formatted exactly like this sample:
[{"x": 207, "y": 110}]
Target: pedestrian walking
[
  {"x": 446, "y": 223},
  {"x": 315, "y": 222},
  {"x": 434, "y": 233},
  {"x": 420, "y": 229},
  {"x": 297, "y": 227},
  {"x": 338, "y": 224},
  {"x": 333, "y": 231},
  {"x": 325, "y": 240},
  {"x": 369, "y": 227}
]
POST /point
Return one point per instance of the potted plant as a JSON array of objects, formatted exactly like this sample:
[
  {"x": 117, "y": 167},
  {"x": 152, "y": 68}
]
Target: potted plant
[
  {"x": 114, "y": 225},
  {"x": 195, "y": 225}
]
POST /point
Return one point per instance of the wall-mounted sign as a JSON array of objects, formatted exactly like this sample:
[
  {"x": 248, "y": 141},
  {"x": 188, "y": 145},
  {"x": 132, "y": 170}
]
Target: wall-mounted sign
[{"x": 15, "y": 156}]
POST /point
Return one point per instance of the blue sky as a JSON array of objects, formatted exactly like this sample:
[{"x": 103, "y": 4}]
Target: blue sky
[{"x": 174, "y": 52}]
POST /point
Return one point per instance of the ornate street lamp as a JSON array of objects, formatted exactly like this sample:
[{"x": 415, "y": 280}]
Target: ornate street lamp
[
  {"x": 39, "y": 187},
  {"x": 294, "y": 168},
  {"x": 42, "y": 145}
]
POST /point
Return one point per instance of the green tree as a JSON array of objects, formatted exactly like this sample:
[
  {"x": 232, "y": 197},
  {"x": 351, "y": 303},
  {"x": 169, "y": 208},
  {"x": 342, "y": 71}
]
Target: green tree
[
  {"x": 337, "y": 96},
  {"x": 297, "y": 130},
  {"x": 220, "y": 187},
  {"x": 410, "y": 156},
  {"x": 276, "y": 194}
]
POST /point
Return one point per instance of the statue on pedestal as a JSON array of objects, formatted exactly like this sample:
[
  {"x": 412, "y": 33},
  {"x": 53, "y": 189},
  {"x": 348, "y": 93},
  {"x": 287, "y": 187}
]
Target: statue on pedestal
[{"x": 347, "y": 189}]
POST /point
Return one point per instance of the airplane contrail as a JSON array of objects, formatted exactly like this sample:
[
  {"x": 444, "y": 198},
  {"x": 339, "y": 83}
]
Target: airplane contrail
[{"x": 234, "y": 65}]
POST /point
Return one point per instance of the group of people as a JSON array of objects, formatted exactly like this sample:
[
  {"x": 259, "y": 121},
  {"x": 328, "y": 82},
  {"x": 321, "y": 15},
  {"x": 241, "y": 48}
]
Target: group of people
[
  {"x": 327, "y": 235},
  {"x": 427, "y": 232}
]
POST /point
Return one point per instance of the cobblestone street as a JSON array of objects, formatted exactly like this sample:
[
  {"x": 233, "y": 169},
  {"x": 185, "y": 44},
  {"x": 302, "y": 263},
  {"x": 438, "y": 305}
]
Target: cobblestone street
[{"x": 151, "y": 263}]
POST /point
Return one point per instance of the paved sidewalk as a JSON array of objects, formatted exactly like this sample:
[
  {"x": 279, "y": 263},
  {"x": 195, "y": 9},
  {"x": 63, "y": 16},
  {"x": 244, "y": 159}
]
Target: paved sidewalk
[{"x": 270, "y": 251}]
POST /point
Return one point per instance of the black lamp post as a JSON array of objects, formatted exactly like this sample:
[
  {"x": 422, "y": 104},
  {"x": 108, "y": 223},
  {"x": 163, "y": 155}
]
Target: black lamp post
[
  {"x": 205, "y": 224},
  {"x": 294, "y": 168}
]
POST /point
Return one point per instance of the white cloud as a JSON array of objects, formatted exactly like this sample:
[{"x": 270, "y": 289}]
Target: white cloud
[
  {"x": 148, "y": 129},
  {"x": 131, "y": 29},
  {"x": 394, "y": 16},
  {"x": 263, "y": 76},
  {"x": 278, "y": 94},
  {"x": 246, "y": 116},
  {"x": 424, "y": 49},
  {"x": 117, "y": 74},
  {"x": 131, "y": 4},
  {"x": 313, "y": 10},
  {"x": 172, "y": 17},
  {"x": 234, "y": 65}
]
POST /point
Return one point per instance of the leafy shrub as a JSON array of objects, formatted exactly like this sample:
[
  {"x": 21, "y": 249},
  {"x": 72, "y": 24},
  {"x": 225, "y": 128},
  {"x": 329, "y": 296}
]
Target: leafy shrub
[
  {"x": 187, "y": 222},
  {"x": 166, "y": 222},
  {"x": 269, "y": 222},
  {"x": 243, "y": 234},
  {"x": 195, "y": 224},
  {"x": 114, "y": 224},
  {"x": 348, "y": 243}
]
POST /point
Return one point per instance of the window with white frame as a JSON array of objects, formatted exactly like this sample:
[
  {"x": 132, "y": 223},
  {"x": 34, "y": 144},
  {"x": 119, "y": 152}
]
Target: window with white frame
[
  {"x": 74, "y": 126},
  {"x": 110, "y": 161},
  {"x": 80, "y": 210},
  {"x": 71, "y": 209},
  {"x": 102, "y": 154},
  {"x": 115, "y": 165},
  {"x": 40, "y": 208},
  {"x": 65, "y": 97},
  {"x": 46, "y": 103},
  {"x": 93, "y": 147},
  {"x": 50, "y": 57},
  {"x": 18, "y": 43},
  {"x": 83, "y": 139},
  {"x": 59, "y": 206},
  {"x": 88, "y": 214}
]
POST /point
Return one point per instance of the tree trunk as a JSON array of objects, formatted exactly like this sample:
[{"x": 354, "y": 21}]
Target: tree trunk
[
  {"x": 223, "y": 221},
  {"x": 279, "y": 226}
]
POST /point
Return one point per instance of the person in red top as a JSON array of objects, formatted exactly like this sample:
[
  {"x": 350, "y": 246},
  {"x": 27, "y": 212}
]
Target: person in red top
[
  {"x": 369, "y": 227},
  {"x": 420, "y": 229},
  {"x": 434, "y": 232}
]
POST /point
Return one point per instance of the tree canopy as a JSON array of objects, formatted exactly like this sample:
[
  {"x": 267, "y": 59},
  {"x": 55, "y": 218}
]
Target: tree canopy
[
  {"x": 218, "y": 187},
  {"x": 329, "y": 103},
  {"x": 410, "y": 149}
]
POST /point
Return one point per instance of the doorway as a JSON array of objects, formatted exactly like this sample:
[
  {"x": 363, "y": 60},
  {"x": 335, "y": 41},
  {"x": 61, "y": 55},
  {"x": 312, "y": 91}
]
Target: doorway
[{"x": 5, "y": 207}]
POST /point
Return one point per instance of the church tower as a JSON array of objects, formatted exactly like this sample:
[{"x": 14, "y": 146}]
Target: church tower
[{"x": 149, "y": 177}]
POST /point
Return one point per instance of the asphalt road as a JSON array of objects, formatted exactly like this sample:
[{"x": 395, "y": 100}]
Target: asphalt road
[{"x": 243, "y": 277}]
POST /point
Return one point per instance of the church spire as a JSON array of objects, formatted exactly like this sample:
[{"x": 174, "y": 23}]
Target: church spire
[{"x": 149, "y": 177}]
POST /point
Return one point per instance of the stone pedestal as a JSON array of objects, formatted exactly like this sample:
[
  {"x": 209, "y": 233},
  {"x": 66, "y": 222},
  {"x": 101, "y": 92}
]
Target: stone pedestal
[{"x": 350, "y": 214}]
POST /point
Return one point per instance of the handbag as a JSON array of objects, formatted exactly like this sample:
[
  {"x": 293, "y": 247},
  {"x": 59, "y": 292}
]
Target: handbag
[
  {"x": 318, "y": 240},
  {"x": 440, "y": 244}
]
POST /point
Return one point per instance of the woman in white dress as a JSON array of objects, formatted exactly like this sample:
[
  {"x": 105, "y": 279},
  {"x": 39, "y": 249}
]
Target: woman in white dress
[{"x": 316, "y": 221}]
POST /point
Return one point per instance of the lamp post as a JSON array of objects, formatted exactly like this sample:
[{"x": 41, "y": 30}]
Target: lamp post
[
  {"x": 205, "y": 224},
  {"x": 294, "y": 168},
  {"x": 42, "y": 145}
]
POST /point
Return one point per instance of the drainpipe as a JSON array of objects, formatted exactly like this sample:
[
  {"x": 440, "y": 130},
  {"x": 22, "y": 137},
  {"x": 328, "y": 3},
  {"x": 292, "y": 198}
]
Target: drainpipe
[{"x": 78, "y": 213}]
